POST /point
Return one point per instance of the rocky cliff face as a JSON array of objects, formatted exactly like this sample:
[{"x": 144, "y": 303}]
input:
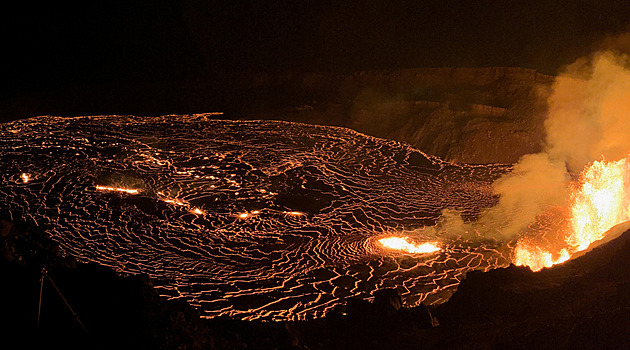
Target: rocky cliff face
[{"x": 472, "y": 115}]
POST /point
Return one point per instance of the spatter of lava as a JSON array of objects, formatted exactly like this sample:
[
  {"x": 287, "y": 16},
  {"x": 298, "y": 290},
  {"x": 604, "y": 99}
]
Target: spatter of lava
[
  {"x": 599, "y": 200},
  {"x": 252, "y": 219}
]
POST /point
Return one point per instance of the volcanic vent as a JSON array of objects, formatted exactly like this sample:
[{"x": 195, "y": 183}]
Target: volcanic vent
[{"x": 584, "y": 170}]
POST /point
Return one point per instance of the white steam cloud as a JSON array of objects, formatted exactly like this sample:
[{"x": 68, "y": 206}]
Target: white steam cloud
[
  {"x": 536, "y": 184},
  {"x": 588, "y": 119},
  {"x": 589, "y": 116}
]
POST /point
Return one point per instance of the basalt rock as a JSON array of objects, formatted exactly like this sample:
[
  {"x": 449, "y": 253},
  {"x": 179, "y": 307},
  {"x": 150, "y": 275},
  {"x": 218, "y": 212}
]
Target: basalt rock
[
  {"x": 387, "y": 301},
  {"x": 472, "y": 115}
]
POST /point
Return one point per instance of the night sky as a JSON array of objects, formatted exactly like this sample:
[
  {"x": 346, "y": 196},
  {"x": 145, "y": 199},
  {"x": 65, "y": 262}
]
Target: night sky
[{"x": 69, "y": 45}]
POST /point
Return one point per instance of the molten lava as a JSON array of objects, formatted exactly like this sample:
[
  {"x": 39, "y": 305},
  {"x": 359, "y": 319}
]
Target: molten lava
[
  {"x": 117, "y": 189},
  {"x": 174, "y": 201},
  {"x": 197, "y": 211},
  {"x": 402, "y": 243},
  {"x": 536, "y": 258},
  {"x": 598, "y": 203}
]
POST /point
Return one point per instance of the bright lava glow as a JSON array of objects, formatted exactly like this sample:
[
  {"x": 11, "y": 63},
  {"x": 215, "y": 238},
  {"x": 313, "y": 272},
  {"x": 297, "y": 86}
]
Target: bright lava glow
[
  {"x": 247, "y": 215},
  {"x": 600, "y": 203},
  {"x": 197, "y": 211},
  {"x": 118, "y": 189},
  {"x": 597, "y": 204},
  {"x": 401, "y": 243},
  {"x": 536, "y": 257},
  {"x": 174, "y": 201}
]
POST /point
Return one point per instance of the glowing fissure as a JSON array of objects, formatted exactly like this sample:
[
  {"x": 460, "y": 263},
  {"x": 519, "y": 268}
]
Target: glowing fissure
[
  {"x": 197, "y": 211},
  {"x": 118, "y": 189},
  {"x": 181, "y": 203},
  {"x": 403, "y": 244}
]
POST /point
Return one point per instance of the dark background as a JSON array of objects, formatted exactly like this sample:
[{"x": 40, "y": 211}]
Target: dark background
[{"x": 138, "y": 56}]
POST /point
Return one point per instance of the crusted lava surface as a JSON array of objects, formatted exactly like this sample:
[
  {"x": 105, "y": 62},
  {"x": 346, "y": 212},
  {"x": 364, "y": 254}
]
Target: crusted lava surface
[{"x": 248, "y": 219}]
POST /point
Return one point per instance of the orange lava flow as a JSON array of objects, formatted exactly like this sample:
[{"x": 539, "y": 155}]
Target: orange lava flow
[
  {"x": 597, "y": 204},
  {"x": 401, "y": 243},
  {"x": 118, "y": 189},
  {"x": 174, "y": 201},
  {"x": 197, "y": 211}
]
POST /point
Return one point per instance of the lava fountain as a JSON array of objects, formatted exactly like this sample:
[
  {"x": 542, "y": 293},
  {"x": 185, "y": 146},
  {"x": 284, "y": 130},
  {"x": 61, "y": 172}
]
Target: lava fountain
[{"x": 598, "y": 202}]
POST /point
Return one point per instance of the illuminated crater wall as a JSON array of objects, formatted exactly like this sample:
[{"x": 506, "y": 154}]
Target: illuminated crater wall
[{"x": 252, "y": 219}]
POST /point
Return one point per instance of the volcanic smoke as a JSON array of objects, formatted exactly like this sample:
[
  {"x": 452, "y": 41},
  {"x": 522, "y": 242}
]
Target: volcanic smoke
[{"x": 577, "y": 187}]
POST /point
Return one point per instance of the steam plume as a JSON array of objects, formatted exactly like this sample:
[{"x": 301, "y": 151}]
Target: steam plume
[
  {"x": 587, "y": 120},
  {"x": 588, "y": 115},
  {"x": 536, "y": 184}
]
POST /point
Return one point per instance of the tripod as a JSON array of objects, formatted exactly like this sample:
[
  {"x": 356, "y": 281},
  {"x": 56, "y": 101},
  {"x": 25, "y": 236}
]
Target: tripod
[{"x": 44, "y": 275}]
